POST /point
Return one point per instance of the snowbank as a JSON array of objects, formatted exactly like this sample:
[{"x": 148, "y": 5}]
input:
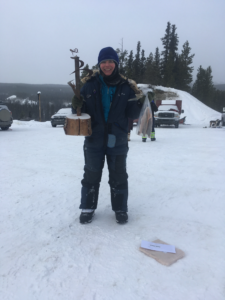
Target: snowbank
[
  {"x": 196, "y": 112},
  {"x": 176, "y": 194}
]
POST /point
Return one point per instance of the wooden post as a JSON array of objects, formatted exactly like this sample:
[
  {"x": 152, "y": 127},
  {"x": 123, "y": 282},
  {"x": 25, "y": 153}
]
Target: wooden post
[
  {"x": 80, "y": 123},
  {"x": 77, "y": 77},
  {"x": 39, "y": 100}
]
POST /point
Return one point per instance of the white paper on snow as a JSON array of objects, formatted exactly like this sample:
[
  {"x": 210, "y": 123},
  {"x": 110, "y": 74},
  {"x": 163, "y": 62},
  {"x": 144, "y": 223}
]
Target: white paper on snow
[{"x": 158, "y": 247}]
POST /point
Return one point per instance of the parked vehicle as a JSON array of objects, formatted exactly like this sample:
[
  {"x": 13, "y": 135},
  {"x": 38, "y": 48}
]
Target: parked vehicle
[
  {"x": 223, "y": 119},
  {"x": 6, "y": 119},
  {"x": 169, "y": 113},
  {"x": 60, "y": 117}
]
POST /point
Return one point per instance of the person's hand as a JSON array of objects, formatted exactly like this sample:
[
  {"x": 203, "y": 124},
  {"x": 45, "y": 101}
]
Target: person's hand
[{"x": 76, "y": 102}]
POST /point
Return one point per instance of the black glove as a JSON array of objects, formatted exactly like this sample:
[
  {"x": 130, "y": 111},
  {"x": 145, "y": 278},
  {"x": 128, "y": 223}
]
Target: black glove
[{"x": 76, "y": 102}]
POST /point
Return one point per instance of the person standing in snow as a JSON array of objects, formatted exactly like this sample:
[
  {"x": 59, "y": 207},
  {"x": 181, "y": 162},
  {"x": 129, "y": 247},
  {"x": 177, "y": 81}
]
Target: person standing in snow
[
  {"x": 110, "y": 100},
  {"x": 154, "y": 109}
]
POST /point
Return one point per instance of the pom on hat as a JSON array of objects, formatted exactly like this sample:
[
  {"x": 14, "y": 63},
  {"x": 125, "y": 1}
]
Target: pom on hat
[{"x": 108, "y": 53}]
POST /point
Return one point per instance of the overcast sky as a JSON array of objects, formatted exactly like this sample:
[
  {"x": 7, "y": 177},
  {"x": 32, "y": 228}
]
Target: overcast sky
[{"x": 36, "y": 35}]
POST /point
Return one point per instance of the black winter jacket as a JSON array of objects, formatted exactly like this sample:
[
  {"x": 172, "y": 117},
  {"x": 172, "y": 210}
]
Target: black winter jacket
[{"x": 117, "y": 124}]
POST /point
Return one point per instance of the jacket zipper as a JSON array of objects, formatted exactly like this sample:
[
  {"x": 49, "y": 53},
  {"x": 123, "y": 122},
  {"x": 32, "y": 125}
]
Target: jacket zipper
[
  {"x": 116, "y": 92},
  {"x": 106, "y": 122}
]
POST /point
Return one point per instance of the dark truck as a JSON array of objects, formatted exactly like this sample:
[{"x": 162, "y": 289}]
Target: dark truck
[
  {"x": 59, "y": 118},
  {"x": 168, "y": 112},
  {"x": 5, "y": 117}
]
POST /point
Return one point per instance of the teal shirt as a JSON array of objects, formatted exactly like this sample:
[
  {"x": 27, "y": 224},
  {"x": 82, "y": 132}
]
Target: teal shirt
[{"x": 107, "y": 96}]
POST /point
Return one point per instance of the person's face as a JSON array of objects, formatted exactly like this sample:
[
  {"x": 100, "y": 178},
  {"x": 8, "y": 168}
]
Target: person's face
[{"x": 107, "y": 67}]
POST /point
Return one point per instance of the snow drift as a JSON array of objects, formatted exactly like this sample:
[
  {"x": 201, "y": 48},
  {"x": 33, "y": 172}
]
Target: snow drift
[{"x": 195, "y": 111}]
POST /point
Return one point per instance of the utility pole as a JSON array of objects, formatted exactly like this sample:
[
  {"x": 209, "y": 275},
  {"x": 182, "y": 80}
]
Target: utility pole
[
  {"x": 39, "y": 100},
  {"x": 121, "y": 45},
  {"x": 121, "y": 56}
]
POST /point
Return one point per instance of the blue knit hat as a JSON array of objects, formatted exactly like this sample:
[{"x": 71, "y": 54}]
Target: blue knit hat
[{"x": 108, "y": 53}]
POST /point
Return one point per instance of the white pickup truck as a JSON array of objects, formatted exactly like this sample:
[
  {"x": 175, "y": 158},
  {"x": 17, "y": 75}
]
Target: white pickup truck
[{"x": 168, "y": 112}]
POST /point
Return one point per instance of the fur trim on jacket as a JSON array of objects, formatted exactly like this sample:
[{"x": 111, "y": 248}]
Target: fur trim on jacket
[{"x": 131, "y": 82}]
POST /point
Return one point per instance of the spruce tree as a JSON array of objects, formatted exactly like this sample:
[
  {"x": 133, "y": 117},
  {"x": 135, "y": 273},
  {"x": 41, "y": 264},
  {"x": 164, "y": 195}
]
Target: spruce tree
[
  {"x": 169, "y": 76},
  {"x": 198, "y": 87},
  {"x": 209, "y": 87},
  {"x": 184, "y": 69},
  {"x": 157, "y": 79},
  {"x": 152, "y": 71},
  {"x": 84, "y": 72},
  {"x": 173, "y": 44},
  {"x": 129, "y": 65},
  {"x": 148, "y": 77},
  {"x": 165, "y": 54},
  {"x": 203, "y": 88},
  {"x": 142, "y": 66},
  {"x": 178, "y": 73},
  {"x": 122, "y": 54},
  {"x": 170, "y": 42},
  {"x": 137, "y": 63},
  {"x": 95, "y": 67},
  {"x": 218, "y": 100},
  {"x": 170, "y": 68}
]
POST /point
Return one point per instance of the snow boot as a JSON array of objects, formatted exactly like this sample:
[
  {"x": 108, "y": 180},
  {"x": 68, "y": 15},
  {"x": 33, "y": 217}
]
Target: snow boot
[
  {"x": 144, "y": 139},
  {"x": 121, "y": 217},
  {"x": 86, "y": 216},
  {"x": 153, "y": 136}
]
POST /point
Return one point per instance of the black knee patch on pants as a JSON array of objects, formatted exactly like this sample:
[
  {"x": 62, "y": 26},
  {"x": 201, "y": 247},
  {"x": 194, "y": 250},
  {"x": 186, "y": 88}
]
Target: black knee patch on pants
[
  {"x": 117, "y": 171},
  {"x": 118, "y": 182},
  {"x": 119, "y": 199},
  {"x": 90, "y": 189},
  {"x": 89, "y": 197},
  {"x": 91, "y": 178}
]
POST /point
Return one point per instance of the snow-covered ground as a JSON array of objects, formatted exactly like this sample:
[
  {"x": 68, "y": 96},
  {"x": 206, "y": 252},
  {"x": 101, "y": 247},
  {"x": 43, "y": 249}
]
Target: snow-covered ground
[{"x": 176, "y": 194}]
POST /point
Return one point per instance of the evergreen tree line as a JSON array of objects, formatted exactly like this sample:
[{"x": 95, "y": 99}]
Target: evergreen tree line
[
  {"x": 53, "y": 97},
  {"x": 204, "y": 90},
  {"x": 30, "y": 111},
  {"x": 170, "y": 69}
]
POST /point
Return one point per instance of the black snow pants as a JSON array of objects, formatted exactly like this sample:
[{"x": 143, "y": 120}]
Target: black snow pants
[
  {"x": 94, "y": 163},
  {"x": 153, "y": 125}
]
